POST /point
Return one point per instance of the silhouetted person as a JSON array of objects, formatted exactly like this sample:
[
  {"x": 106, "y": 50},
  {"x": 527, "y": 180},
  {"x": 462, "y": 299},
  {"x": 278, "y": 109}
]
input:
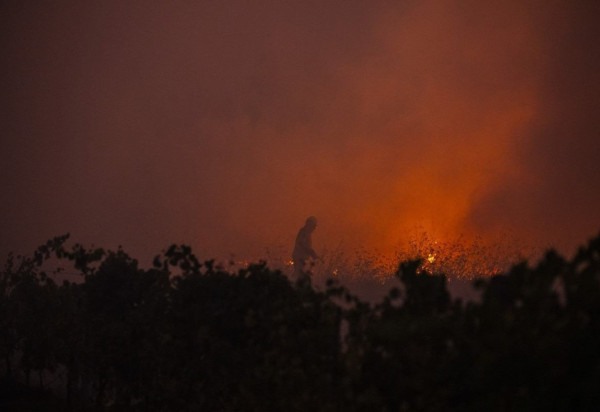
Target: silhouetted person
[{"x": 303, "y": 252}]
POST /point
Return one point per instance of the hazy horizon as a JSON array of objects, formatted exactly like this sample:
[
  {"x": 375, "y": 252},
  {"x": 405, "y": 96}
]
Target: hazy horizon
[{"x": 224, "y": 125}]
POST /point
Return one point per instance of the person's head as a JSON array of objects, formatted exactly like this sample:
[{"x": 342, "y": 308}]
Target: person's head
[{"x": 311, "y": 223}]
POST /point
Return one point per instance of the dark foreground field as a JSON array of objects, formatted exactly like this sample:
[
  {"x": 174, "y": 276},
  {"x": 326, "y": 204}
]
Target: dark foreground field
[{"x": 186, "y": 335}]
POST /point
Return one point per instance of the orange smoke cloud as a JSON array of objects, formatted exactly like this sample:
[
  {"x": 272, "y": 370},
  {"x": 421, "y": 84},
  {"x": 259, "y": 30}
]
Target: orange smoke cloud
[{"x": 427, "y": 123}]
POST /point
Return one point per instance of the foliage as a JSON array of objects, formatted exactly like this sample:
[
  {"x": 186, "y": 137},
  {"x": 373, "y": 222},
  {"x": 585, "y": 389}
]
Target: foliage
[{"x": 189, "y": 335}]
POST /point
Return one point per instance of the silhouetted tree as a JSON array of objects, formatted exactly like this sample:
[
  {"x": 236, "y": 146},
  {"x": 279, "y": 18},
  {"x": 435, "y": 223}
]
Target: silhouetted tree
[{"x": 189, "y": 335}]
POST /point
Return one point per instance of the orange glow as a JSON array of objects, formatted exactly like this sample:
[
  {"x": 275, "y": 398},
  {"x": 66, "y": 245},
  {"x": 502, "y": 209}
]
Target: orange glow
[{"x": 457, "y": 136}]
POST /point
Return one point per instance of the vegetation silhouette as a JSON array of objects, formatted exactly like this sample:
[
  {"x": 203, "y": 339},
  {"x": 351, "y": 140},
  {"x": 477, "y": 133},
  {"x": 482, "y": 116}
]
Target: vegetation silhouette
[{"x": 187, "y": 335}]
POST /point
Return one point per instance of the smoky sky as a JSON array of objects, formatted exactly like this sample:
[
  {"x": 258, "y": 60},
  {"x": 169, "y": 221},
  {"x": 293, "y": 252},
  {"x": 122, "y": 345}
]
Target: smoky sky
[{"x": 225, "y": 124}]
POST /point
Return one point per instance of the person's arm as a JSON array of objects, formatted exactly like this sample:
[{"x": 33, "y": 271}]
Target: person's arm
[
  {"x": 305, "y": 243},
  {"x": 309, "y": 249}
]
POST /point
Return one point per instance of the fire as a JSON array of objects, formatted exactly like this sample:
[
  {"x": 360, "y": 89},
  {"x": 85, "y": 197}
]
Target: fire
[{"x": 463, "y": 257}]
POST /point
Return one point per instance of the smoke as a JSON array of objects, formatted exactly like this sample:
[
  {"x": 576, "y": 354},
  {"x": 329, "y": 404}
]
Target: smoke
[{"x": 224, "y": 124}]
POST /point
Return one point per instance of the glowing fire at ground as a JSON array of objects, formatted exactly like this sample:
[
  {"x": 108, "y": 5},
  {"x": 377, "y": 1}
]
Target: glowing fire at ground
[
  {"x": 460, "y": 258},
  {"x": 463, "y": 258}
]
